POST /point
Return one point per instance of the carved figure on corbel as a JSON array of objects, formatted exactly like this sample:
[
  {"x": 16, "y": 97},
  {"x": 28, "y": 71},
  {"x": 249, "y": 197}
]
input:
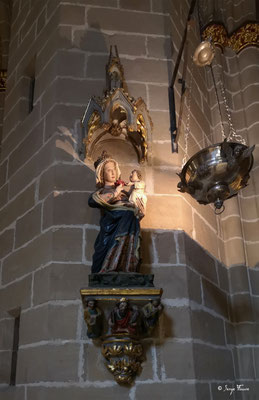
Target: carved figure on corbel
[
  {"x": 150, "y": 314},
  {"x": 93, "y": 317},
  {"x": 124, "y": 318},
  {"x": 133, "y": 316}
]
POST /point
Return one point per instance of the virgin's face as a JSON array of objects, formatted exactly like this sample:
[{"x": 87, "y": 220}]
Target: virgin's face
[{"x": 109, "y": 173}]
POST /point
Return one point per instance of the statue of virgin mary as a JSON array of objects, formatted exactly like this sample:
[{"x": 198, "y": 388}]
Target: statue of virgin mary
[{"x": 117, "y": 244}]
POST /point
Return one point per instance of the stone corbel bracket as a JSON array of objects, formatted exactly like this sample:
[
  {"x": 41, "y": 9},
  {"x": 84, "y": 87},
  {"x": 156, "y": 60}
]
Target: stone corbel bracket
[
  {"x": 120, "y": 334},
  {"x": 246, "y": 35}
]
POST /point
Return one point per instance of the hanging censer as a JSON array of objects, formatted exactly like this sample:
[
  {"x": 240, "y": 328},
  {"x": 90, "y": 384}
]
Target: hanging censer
[{"x": 219, "y": 171}]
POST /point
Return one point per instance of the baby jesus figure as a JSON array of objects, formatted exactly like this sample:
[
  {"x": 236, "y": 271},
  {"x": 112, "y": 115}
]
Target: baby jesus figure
[{"x": 136, "y": 193}]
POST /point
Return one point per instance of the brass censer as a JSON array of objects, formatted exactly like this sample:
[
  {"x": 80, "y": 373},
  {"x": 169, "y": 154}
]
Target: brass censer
[{"x": 217, "y": 172}]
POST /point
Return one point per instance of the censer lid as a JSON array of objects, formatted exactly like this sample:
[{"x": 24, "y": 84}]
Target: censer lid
[{"x": 204, "y": 54}]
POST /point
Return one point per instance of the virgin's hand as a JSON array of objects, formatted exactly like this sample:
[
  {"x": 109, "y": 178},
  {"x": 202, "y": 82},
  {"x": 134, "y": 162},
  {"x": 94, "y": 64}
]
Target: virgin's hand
[{"x": 118, "y": 190}]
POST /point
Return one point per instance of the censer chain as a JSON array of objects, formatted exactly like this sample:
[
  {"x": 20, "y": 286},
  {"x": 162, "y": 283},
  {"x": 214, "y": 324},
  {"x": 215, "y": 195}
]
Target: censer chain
[
  {"x": 232, "y": 132},
  {"x": 217, "y": 97},
  {"x": 187, "y": 126}
]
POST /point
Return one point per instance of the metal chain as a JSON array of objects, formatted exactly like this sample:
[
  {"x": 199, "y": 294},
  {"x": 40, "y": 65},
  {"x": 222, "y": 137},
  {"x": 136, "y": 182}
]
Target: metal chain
[
  {"x": 187, "y": 126},
  {"x": 217, "y": 97},
  {"x": 232, "y": 132}
]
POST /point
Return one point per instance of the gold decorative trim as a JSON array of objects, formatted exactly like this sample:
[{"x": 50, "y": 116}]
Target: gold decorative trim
[
  {"x": 142, "y": 129},
  {"x": 246, "y": 35},
  {"x": 217, "y": 34},
  {"x": 121, "y": 292},
  {"x": 123, "y": 359},
  {"x": 3, "y": 78}
]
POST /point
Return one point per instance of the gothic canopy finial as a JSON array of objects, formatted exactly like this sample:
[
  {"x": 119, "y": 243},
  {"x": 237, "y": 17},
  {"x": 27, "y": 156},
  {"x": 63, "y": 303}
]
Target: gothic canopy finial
[
  {"x": 116, "y": 119},
  {"x": 114, "y": 71}
]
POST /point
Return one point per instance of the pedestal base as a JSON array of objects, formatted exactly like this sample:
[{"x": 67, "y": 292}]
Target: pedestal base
[
  {"x": 121, "y": 279},
  {"x": 129, "y": 305}
]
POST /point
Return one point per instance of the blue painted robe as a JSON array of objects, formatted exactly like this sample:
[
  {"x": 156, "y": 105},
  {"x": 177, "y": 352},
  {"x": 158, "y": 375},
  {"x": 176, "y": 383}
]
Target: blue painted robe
[{"x": 117, "y": 244}]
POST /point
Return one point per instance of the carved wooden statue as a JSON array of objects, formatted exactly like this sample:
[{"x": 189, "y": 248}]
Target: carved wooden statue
[
  {"x": 93, "y": 317},
  {"x": 150, "y": 314},
  {"x": 124, "y": 318},
  {"x": 117, "y": 245}
]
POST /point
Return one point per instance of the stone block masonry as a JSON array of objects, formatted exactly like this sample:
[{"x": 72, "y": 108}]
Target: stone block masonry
[
  {"x": 147, "y": 51},
  {"x": 47, "y": 231},
  {"x": 72, "y": 46},
  {"x": 5, "y": 12},
  {"x": 202, "y": 339},
  {"x": 35, "y": 257},
  {"x": 240, "y": 222}
]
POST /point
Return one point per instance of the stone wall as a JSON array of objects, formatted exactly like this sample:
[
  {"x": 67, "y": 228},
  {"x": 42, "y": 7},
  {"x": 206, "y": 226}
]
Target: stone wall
[
  {"x": 47, "y": 231},
  {"x": 148, "y": 52},
  {"x": 210, "y": 319},
  {"x": 206, "y": 338},
  {"x": 5, "y": 20},
  {"x": 246, "y": 108},
  {"x": 239, "y": 222},
  {"x": 232, "y": 13},
  {"x": 32, "y": 243}
]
